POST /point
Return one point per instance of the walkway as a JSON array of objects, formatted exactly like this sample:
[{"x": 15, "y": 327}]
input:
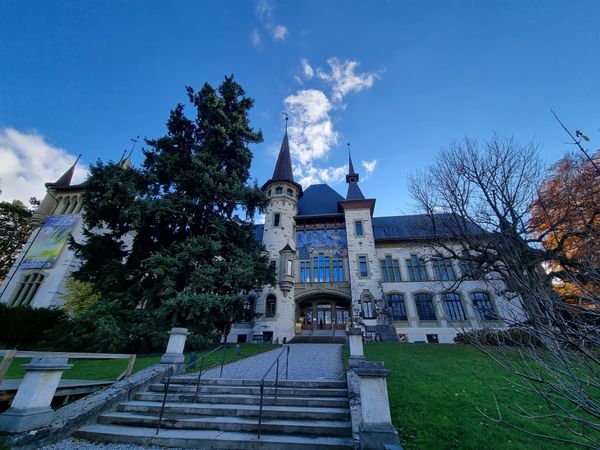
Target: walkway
[{"x": 307, "y": 362}]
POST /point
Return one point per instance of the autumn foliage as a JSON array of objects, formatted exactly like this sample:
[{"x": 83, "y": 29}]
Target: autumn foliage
[{"x": 566, "y": 218}]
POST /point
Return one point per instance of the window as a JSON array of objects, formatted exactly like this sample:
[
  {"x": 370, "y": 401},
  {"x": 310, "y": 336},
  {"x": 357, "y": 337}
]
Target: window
[
  {"x": 273, "y": 265},
  {"x": 269, "y": 193},
  {"x": 304, "y": 271},
  {"x": 483, "y": 306},
  {"x": 289, "y": 267},
  {"x": 278, "y": 190},
  {"x": 425, "y": 310},
  {"x": 442, "y": 269},
  {"x": 338, "y": 270},
  {"x": 27, "y": 288},
  {"x": 453, "y": 307},
  {"x": 248, "y": 308},
  {"x": 358, "y": 227},
  {"x": 416, "y": 269},
  {"x": 290, "y": 193},
  {"x": 270, "y": 306},
  {"x": 363, "y": 266},
  {"x": 397, "y": 306},
  {"x": 276, "y": 218},
  {"x": 468, "y": 269},
  {"x": 432, "y": 339},
  {"x": 367, "y": 307},
  {"x": 390, "y": 268}
]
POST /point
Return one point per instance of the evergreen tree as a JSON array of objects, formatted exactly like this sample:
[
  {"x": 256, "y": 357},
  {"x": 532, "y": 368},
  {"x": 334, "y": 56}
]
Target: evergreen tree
[{"x": 172, "y": 243}]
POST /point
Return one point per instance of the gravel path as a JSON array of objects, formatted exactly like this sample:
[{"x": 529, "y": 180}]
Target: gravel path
[{"x": 307, "y": 362}]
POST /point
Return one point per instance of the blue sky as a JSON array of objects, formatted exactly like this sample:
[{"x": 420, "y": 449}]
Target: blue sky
[{"x": 396, "y": 79}]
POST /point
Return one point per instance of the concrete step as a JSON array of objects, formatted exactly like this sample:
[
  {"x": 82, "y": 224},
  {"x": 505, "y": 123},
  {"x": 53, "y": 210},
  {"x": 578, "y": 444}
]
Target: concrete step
[
  {"x": 318, "y": 427},
  {"x": 213, "y": 439},
  {"x": 238, "y": 410},
  {"x": 317, "y": 340},
  {"x": 192, "y": 380},
  {"x": 253, "y": 390},
  {"x": 243, "y": 399}
]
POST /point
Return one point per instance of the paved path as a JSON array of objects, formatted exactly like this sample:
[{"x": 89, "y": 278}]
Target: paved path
[{"x": 307, "y": 362}]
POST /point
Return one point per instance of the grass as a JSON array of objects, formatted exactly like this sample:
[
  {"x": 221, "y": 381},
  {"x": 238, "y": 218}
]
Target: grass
[
  {"x": 110, "y": 369},
  {"x": 437, "y": 392}
]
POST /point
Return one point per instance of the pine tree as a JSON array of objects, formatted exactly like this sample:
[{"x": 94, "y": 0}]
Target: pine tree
[{"x": 172, "y": 243}]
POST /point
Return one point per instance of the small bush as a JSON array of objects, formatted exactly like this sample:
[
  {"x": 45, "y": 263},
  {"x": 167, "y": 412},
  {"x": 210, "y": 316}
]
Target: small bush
[
  {"x": 513, "y": 337},
  {"x": 25, "y": 327}
]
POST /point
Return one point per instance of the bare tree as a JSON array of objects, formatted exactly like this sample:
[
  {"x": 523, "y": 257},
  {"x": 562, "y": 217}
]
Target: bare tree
[{"x": 484, "y": 195}]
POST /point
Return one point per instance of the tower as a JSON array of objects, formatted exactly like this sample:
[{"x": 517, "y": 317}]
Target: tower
[
  {"x": 279, "y": 239},
  {"x": 368, "y": 303}
]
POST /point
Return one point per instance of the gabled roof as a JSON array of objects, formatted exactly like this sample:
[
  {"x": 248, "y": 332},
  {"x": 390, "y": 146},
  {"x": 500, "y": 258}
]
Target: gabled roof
[
  {"x": 319, "y": 199},
  {"x": 420, "y": 226}
]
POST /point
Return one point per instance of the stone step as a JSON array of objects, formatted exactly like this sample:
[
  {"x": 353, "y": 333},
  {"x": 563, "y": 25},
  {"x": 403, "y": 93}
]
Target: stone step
[
  {"x": 238, "y": 410},
  {"x": 317, "y": 340},
  {"x": 244, "y": 399},
  {"x": 213, "y": 439},
  {"x": 253, "y": 390},
  {"x": 192, "y": 380},
  {"x": 319, "y": 427}
]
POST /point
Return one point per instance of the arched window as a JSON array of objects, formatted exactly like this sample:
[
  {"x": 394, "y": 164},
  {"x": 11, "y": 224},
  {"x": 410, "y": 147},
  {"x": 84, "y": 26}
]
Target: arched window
[
  {"x": 397, "y": 306},
  {"x": 424, "y": 304},
  {"x": 270, "y": 306},
  {"x": 453, "y": 307},
  {"x": 483, "y": 306}
]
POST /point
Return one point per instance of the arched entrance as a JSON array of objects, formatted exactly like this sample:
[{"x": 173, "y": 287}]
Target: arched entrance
[{"x": 323, "y": 313}]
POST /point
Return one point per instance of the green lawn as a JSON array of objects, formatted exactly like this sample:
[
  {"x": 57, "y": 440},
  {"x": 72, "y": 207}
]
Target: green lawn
[
  {"x": 110, "y": 369},
  {"x": 435, "y": 392}
]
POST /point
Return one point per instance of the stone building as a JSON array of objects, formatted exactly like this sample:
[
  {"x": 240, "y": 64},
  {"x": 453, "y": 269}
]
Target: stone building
[{"x": 336, "y": 263}]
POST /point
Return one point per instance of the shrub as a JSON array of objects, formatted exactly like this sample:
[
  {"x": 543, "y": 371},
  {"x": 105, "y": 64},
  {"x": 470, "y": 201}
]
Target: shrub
[
  {"x": 25, "y": 327},
  {"x": 513, "y": 337}
]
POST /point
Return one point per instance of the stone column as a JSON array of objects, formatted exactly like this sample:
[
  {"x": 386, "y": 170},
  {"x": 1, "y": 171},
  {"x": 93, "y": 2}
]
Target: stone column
[
  {"x": 174, "y": 353},
  {"x": 355, "y": 340},
  {"x": 30, "y": 408},
  {"x": 376, "y": 430}
]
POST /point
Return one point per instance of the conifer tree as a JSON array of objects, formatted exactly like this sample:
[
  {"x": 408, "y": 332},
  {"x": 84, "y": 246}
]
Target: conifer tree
[{"x": 172, "y": 243}]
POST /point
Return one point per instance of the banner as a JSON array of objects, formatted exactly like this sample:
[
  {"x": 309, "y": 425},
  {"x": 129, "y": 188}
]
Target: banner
[{"x": 49, "y": 242}]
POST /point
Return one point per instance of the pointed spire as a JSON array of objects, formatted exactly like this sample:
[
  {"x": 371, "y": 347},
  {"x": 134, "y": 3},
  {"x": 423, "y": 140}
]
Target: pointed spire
[
  {"x": 283, "y": 167},
  {"x": 352, "y": 176},
  {"x": 65, "y": 179}
]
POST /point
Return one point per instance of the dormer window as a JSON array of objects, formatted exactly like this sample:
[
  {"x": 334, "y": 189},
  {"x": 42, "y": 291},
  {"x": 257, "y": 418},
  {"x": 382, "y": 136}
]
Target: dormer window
[{"x": 278, "y": 190}]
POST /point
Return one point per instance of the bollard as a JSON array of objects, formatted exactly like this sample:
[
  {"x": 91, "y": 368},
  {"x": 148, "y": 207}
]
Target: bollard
[
  {"x": 376, "y": 429},
  {"x": 237, "y": 349},
  {"x": 355, "y": 340},
  {"x": 174, "y": 353},
  {"x": 30, "y": 408}
]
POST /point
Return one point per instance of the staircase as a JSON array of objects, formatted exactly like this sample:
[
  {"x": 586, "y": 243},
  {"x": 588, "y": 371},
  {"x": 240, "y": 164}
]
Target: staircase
[
  {"x": 306, "y": 415},
  {"x": 320, "y": 337}
]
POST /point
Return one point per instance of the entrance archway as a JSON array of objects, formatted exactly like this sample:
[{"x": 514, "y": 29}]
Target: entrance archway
[{"x": 323, "y": 313}]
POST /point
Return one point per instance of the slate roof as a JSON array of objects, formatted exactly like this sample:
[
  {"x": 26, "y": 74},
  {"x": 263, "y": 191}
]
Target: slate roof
[
  {"x": 283, "y": 168},
  {"x": 417, "y": 226},
  {"x": 319, "y": 199},
  {"x": 354, "y": 192}
]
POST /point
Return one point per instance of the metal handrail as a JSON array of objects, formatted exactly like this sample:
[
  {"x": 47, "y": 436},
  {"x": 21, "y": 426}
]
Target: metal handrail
[
  {"x": 182, "y": 370},
  {"x": 262, "y": 381}
]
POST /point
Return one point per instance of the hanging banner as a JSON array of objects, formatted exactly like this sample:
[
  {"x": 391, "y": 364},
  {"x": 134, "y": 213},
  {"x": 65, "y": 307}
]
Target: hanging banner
[{"x": 49, "y": 242}]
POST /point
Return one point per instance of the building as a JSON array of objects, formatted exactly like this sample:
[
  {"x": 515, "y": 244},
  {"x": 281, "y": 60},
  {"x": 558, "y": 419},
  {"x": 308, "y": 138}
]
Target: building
[{"x": 337, "y": 265}]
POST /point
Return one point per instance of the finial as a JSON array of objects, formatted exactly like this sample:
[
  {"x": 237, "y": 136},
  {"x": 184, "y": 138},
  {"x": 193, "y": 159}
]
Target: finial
[
  {"x": 78, "y": 158},
  {"x": 135, "y": 141},
  {"x": 286, "y": 117}
]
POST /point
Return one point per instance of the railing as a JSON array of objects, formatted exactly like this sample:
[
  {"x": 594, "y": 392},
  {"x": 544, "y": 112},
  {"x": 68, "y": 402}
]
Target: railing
[
  {"x": 171, "y": 373},
  {"x": 286, "y": 349},
  {"x": 10, "y": 355}
]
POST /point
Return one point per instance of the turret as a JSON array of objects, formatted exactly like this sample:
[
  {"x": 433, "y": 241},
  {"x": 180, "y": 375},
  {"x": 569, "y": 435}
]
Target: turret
[{"x": 286, "y": 269}]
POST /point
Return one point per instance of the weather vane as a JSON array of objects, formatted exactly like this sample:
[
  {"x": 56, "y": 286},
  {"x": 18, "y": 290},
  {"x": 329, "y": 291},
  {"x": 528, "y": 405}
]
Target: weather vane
[{"x": 286, "y": 117}]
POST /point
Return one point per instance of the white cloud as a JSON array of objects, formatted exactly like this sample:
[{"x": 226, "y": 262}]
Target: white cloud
[
  {"x": 255, "y": 38},
  {"x": 264, "y": 12},
  {"x": 343, "y": 78},
  {"x": 311, "y": 128},
  {"x": 27, "y": 161},
  {"x": 369, "y": 166},
  {"x": 280, "y": 32},
  {"x": 309, "y": 72}
]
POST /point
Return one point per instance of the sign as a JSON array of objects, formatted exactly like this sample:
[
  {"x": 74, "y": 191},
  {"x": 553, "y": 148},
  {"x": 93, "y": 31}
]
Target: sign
[{"x": 49, "y": 242}]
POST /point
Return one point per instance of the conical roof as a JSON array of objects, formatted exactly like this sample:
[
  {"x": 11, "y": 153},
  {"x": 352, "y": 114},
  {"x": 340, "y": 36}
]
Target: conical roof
[
  {"x": 283, "y": 168},
  {"x": 354, "y": 192},
  {"x": 66, "y": 178}
]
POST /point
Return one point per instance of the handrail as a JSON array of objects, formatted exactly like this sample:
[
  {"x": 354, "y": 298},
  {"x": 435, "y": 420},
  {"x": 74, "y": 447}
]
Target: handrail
[
  {"x": 182, "y": 370},
  {"x": 262, "y": 381}
]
